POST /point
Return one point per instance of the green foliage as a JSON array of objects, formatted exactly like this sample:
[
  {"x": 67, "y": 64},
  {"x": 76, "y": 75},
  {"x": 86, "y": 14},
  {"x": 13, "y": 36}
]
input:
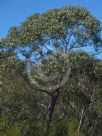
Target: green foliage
[
  {"x": 64, "y": 29},
  {"x": 23, "y": 108},
  {"x": 14, "y": 131},
  {"x": 62, "y": 128},
  {"x": 3, "y": 123},
  {"x": 6, "y": 129},
  {"x": 65, "y": 127},
  {"x": 72, "y": 127}
]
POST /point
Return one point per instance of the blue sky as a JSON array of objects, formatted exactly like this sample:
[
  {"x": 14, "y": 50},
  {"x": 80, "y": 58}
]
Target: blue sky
[{"x": 13, "y": 12}]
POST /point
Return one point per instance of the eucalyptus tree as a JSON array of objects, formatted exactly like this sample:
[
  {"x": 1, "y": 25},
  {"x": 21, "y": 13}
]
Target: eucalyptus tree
[
  {"x": 42, "y": 35},
  {"x": 83, "y": 91}
]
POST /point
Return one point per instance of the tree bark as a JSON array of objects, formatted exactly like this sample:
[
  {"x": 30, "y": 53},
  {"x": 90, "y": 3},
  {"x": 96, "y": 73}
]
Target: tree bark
[
  {"x": 50, "y": 111},
  {"x": 81, "y": 119},
  {"x": 51, "y": 108}
]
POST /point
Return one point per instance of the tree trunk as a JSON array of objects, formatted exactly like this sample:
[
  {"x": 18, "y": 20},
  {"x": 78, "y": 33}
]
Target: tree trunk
[
  {"x": 81, "y": 120},
  {"x": 51, "y": 108}
]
